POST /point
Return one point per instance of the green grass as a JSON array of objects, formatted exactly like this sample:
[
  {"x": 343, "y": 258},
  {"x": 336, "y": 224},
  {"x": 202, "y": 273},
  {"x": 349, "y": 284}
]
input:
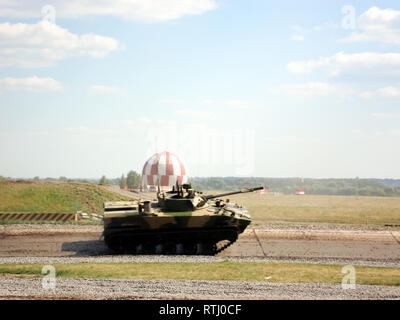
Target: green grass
[
  {"x": 234, "y": 271},
  {"x": 29, "y": 196}
]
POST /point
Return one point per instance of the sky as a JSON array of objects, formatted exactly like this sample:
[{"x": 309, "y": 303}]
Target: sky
[{"x": 233, "y": 87}]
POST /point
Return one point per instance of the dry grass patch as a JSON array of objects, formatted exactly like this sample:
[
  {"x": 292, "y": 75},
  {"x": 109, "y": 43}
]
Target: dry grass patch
[{"x": 316, "y": 208}]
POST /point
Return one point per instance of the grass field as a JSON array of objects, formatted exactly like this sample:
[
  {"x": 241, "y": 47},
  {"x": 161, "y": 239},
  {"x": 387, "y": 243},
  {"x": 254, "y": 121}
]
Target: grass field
[
  {"x": 317, "y": 208},
  {"x": 30, "y": 196},
  {"x": 235, "y": 271}
]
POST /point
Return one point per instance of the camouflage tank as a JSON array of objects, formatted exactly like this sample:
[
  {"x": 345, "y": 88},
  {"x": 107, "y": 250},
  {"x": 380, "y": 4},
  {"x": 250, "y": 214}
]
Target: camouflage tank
[{"x": 181, "y": 221}]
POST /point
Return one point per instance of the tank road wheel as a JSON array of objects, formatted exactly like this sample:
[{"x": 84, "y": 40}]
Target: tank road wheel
[
  {"x": 159, "y": 248},
  {"x": 130, "y": 247},
  {"x": 169, "y": 248},
  {"x": 190, "y": 248},
  {"x": 206, "y": 248},
  {"x": 149, "y": 248},
  {"x": 114, "y": 244},
  {"x": 139, "y": 249},
  {"x": 211, "y": 248},
  {"x": 180, "y": 249}
]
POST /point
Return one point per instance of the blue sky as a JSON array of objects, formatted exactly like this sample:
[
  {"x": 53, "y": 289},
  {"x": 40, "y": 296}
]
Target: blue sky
[{"x": 254, "y": 88}]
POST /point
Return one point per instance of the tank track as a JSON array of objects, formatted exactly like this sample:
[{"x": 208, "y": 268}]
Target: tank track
[
  {"x": 209, "y": 242},
  {"x": 230, "y": 242}
]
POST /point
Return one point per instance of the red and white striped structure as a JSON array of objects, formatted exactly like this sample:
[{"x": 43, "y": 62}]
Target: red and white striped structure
[
  {"x": 165, "y": 167},
  {"x": 300, "y": 192}
]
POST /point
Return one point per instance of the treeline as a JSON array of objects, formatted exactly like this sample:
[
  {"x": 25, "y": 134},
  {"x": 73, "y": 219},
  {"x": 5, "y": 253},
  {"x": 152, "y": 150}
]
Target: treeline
[
  {"x": 132, "y": 180},
  {"x": 360, "y": 187}
]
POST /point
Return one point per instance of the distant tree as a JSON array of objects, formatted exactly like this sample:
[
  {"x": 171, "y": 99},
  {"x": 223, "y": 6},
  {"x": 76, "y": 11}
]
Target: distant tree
[
  {"x": 2, "y": 178},
  {"x": 133, "y": 179},
  {"x": 122, "y": 183},
  {"x": 62, "y": 178},
  {"x": 103, "y": 181},
  {"x": 36, "y": 178}
]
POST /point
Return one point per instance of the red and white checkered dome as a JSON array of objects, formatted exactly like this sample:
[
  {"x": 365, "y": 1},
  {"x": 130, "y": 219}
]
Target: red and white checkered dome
[{"x": 166, "y": 167}]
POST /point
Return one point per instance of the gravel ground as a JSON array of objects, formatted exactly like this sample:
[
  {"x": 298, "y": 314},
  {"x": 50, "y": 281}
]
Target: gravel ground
[
  {"x": 20, "y": 229},
  {"x": 281, "y": 225},
  {"x": 10, "y": 288},
  {"x": 47, "y": 229},
  {"x": 185, "y": 259}
]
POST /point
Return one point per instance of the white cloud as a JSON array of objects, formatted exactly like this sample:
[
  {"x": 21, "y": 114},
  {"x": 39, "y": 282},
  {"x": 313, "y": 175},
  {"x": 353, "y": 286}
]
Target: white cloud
[
  {"x": 173, "y": 101},
  {"x": 100, "y": 89},
  {"x": 193, "y": 113},
  {"x": 238, "y": 104},
  {"x": 208, "y": 102},
  {"x": 44, "y": 43},
  {"x": 390, "y": 92},
  {"x": 368, "y": 95},
  {"x": 298, "y": 34},
  {"x": 382, "y": 115},
  {"x": 386, "y": 92},
  {"x": 367, "y": 62},
  {"x": 142, "y": 10},
  {"x": 312, "y": 89},
  {"x": 29, "y": 84},
  {"x": 377, "y": 25},
  {"x": 326, "y": 26},
  {"x": 297, "y": 37}
]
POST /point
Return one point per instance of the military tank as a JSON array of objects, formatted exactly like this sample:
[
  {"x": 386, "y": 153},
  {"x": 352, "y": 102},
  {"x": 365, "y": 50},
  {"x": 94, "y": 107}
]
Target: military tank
[{"x": 182, "y": 221}]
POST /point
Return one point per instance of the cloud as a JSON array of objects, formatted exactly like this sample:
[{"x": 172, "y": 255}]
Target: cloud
[
  {"x": 141, "y": 10},
  {"x": 44, "y": 43},
  {"x": 326, "y": 26},
  {"x": 100, "y": 89},
  {"x": 172, "y": 101},
  {"x": 367, "y": 95},
  {"x": 386, "y": 92},
  {"x": 359, "y": 63},
  {"x": 377, "y": 25},
  {"x": 207, "y": 102},
  {"x": 298, "y": 34},
  {"x": 297, "y": 37},
  {"x": 30, "y": 84},
  {"x": 312, "y": 90},
  {"x": 389, "y": 92},
  {"x": 238, "y": 104},
  {"x": 383, "y": 115},
  {"x": 193, "y": 113}
]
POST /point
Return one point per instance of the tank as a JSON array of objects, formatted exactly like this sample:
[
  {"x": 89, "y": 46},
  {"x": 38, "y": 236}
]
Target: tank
[{"x": 182, "y": 221}]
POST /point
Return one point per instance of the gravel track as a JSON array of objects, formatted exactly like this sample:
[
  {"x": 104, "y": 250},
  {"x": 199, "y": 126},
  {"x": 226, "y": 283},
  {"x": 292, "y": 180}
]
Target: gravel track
[
  {"x": 182, "y": 289},
  {"x": 188, "y": 259}
]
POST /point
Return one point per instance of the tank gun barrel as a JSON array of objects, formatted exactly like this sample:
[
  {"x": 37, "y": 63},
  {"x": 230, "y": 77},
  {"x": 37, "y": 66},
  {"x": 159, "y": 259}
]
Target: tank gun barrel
[{"x": 245, "y": 190}]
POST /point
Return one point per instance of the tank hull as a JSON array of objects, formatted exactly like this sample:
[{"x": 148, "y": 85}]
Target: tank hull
[{"x": 173, "y": 235}]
